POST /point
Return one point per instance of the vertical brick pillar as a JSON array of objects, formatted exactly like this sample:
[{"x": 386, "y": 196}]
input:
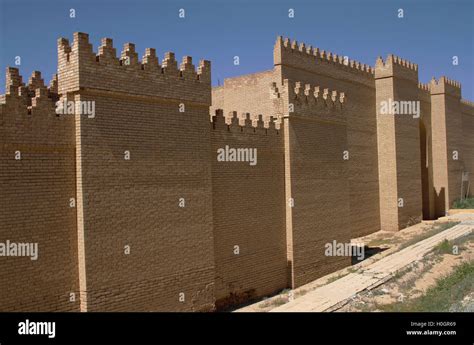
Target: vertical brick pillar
[
  {"x": 398, "y": 143},
  {"x": 447, "y": 142}
]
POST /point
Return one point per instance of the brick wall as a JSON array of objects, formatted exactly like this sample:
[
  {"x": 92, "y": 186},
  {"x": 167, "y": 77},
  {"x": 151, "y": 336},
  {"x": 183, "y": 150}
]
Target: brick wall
[
  {"x": 467, "y": 109},
  {"x": 398, "y": 144},
  {"x": 426, "y": 152},
  {"x": 35, "y": 199},
  {"x": 298, "y": 62},
  {"x": 317, "y": 191},
  {"x": 136, "y": 202},
  {"x": 254, "y": 89},
  {"x": 248, "y": 211},
  {"x": 447, "y": 138},
  {"x": 158, "y": 231}
]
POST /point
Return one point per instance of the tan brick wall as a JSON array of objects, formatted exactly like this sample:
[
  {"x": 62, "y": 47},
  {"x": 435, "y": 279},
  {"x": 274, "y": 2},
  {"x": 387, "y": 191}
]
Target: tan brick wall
[
  {"x": 447, "y": 137},
  {"x": 294, "y": 62},
  {"x": 35, "y": 200},
  {"x": 249, "y": 93},
  {"x": 467, "y": 109},
  {"x": 386, "y": 144},
  {"x": 409, "y": 182},
  {"x": 173, "y": 155},
  {"x": 135, "y": 202},
  {"x": 398, "y": 145},
  {"x": 440, "y": 153},
  {"x": 217, "y": 100},
  {"x": 455, "y": 143},
  {"x": 318, "y": 180},
  {"x": 426, "y": 153},
  {"x": 248, "y": 212}
]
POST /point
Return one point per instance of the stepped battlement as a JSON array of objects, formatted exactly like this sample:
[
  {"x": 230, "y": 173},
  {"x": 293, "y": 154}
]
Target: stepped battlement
[
  {"x": 297, "y": 98},
  {"x": 28, "y": 116},
  {"x": 232, "y": 206},
  {"x": 32, "y": 97},
  {"x": 79, "y": 67},
  {"x": 245, "y": 122}
]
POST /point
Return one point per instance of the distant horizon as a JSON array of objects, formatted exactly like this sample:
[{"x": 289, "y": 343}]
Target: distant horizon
[{"x": 218, "y": 31}]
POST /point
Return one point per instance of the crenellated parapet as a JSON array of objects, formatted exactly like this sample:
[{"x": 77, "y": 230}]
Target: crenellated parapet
[
  {"x": 80, "y": 68},
  {"x": 245, "y": 123},
  {"x": 300, "y": 55},
  {"x": 424, "y": 87},
  {"x": 445, "y": 86},
  {"x": 424, "y": 92},
  {"x": 28, "y": 116},
  {"x": 395, "y": 66},
  {"x": 34, "y": 97},
  {"x": 302, "y": 99}
]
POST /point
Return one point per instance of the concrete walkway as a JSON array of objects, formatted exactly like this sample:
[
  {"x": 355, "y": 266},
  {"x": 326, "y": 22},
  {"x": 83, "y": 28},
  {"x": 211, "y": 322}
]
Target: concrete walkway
[{"x": 334, "y": 295}]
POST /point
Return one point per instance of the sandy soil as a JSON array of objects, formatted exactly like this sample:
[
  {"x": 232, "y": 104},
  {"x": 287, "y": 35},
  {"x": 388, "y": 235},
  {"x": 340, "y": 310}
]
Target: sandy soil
[
  {"x": 424, "y": 273},
  {"x": 414, "y": 281}
]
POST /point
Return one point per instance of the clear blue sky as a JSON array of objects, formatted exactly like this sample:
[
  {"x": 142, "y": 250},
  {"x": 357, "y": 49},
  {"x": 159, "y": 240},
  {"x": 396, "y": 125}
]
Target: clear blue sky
[{"x": 430, "y": 33}]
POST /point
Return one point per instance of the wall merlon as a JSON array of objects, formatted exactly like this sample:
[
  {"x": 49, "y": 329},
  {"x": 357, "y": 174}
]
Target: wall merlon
[
  {"x": 204, "y": 71},
  {"x": 13, "y": 80},
  {"x": 218, "y": 119},
  {"x": 170, "y": 65},
  {"x": 129, "y": 56},
  {"x": 187, "y": 68},
  {"x": 41, "y": 101},
  {"x": 245, "y": 120},
  {"x": 82, "y": 48},
  {"x": 233, "y": 118},
  {"x": 35, "y": 81},
  {"x": 258, "y": 121},
  {"x": 150, "y": 60},
  {"x": 107, "y": 52}
]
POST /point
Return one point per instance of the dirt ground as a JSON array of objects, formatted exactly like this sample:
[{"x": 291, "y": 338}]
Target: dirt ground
[
  {"x": 409, "y": 284},
  {"x": 414, "y": 281}
]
